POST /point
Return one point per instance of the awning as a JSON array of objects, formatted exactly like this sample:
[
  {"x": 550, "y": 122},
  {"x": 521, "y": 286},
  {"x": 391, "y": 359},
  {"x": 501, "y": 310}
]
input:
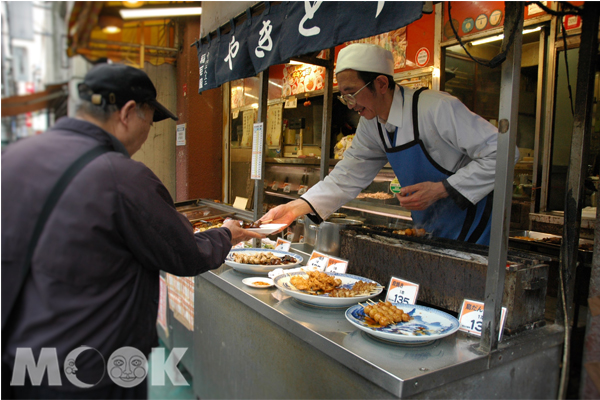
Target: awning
[
  {"x": 53, "y": 96},
  {"x": 292, "y": 29}
]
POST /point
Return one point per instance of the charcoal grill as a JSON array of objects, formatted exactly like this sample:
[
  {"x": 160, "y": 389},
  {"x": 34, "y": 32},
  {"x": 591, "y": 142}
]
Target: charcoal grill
[{"x": 449, "y": 271}]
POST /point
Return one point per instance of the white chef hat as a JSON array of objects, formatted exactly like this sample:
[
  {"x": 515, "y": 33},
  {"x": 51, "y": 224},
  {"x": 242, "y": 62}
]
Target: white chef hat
[{"x": 365, "y": 57}]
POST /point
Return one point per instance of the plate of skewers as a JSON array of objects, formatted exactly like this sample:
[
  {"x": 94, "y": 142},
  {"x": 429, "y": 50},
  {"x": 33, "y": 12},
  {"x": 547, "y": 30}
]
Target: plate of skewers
[
  {"x": 327, "y": 289},
  {"x": 402, "y": 323}
]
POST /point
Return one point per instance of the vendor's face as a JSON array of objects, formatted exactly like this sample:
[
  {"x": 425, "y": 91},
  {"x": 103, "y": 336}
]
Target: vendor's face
[{"x": 349, "y": 83}]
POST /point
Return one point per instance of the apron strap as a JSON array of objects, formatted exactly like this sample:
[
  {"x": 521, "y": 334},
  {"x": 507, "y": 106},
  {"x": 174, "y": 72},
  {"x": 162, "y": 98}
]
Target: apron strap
[{"x": 415, "y": 112}]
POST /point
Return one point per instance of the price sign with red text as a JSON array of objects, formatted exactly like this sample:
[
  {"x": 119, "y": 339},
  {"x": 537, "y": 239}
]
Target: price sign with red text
[
  {"x": 471, "y": 318},
  {"x": 327, "y": 263},
  {"x": 401, "y": 291},
  {"x": 337, "y": 265},
  {"x": 283, "y": 244}
]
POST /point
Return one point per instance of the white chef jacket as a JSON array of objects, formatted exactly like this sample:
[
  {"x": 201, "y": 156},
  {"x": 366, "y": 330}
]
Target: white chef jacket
[{"x": 456, "y": 138}]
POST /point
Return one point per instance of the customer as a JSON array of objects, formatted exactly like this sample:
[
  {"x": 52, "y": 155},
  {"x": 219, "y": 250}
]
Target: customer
[
  {"x": 94, "y": 277},
  {"x": 443, "y": 155}
]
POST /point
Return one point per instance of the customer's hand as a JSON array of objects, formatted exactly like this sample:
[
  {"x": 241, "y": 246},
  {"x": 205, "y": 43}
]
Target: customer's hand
[{"x": 238, "y": 234}]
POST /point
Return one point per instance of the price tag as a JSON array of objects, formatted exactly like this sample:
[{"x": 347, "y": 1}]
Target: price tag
[
  {"x": 471, "y": 318},
  {"x": 338, "y": 265},
  {"x": 282, "y": 244},
  {"x": 287, "y": 187},
  {"x": 302, "y": 189},
  {"x": 319, "y": 260},
  {"x": 401, "y": 291}
]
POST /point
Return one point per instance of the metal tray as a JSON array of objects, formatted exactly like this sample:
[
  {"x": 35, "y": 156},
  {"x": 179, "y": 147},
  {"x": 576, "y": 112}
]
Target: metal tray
[{"x": 539, "y": 236}]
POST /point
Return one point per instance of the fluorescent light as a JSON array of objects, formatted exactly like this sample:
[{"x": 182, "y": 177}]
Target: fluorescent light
[
  {"x": 487, "y": 40},
  {"x": 526, "y": 31},
  {"x": 249, "y": 95},
  {"x": 501, "y": 36},
  {"x": 159, "y": 12}
]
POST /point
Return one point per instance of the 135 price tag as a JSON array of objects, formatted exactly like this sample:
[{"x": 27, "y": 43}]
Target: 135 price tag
[
  {"x": 401, "y": 291},
  {"x": 471, "y": 318}
]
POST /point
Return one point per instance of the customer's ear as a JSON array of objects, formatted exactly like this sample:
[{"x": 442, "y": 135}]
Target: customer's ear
[{"x": 126, "y": 112}]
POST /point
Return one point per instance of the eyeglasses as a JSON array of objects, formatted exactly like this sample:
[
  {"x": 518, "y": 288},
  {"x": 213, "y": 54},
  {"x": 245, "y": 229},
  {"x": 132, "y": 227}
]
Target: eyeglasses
[
  {"x": 349, "y": 99},
  {"x": 140, "y": 112}
]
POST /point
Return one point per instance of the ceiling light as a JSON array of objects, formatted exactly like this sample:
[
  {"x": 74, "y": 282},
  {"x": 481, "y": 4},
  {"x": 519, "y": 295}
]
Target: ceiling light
[
  {"x": 159, "y": 12},
  {"x": 133, "y": 4},
  {"x": 501, "y": 36},
  {"x": 110, "y": 24}
]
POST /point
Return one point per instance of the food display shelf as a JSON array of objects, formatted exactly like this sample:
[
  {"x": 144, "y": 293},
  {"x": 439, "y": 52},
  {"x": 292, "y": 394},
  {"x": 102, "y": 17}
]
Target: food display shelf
[{"x": 260, "y": 343}]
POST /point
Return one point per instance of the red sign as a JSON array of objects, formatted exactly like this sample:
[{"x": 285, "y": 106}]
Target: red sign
[
  {"x": 572, "y": 22},
  {"x": 422, "y": 57}
]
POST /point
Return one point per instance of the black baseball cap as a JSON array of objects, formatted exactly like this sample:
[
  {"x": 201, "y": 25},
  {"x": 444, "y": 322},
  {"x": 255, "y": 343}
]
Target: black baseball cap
[{"x": 117, "y": 84}]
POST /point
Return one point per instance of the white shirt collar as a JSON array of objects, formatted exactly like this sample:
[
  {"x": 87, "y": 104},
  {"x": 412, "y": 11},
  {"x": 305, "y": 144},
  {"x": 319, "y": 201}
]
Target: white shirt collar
[{"x": 395, "y": 115}]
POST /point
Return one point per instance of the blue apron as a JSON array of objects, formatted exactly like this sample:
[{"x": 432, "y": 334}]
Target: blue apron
[{"x": 412, "y": 164}]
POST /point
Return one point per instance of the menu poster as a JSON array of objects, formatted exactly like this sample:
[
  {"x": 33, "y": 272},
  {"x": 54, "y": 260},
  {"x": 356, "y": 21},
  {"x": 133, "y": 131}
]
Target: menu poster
[
  {"x": 394, "y": 41},
  {"x": 162, "y": 305},
  {"x": 401, "y": 291},
  {"x": 248, "y": 126},
  {"x": 471, "y": 318},
  {"x": 181, "y": 299},
  {"x": 298, "y": 79},
  {"x": 327, "y": 263},
  {"x": 274, "y": 125}
]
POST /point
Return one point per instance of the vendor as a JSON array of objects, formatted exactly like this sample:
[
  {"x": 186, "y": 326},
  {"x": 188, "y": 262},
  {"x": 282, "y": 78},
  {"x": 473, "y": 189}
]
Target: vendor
[{"x": 445, "y": 163}]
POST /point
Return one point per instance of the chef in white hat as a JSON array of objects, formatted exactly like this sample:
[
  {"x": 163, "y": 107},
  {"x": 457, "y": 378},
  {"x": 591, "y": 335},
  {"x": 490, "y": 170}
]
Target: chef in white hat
[{"x": 443, "y": 155}]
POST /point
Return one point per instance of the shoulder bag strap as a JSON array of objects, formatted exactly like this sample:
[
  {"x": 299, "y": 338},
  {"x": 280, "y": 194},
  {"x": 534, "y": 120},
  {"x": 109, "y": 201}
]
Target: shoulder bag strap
[{"x": 51, "y": 201}]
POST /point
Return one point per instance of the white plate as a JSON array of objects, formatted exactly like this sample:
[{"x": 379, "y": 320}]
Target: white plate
[
  {"x": 267, "y": 229},
  {"x": 253, "y": 282},
  {"x": 283, "y": 283},
  {"x": 260, "y": 269},
  {"x": 427, "y": 324}
]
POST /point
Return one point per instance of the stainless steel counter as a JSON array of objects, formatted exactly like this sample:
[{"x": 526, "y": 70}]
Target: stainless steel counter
[{"x": 260, "y": 343}]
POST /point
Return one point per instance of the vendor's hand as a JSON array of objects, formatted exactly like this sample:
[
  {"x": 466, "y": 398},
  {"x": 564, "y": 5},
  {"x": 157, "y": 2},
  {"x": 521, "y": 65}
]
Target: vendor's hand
[
  {"x": 421, "y": 195},
  {"x": 238, "y": 234},
  {"x": 285, "y": 213}
]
